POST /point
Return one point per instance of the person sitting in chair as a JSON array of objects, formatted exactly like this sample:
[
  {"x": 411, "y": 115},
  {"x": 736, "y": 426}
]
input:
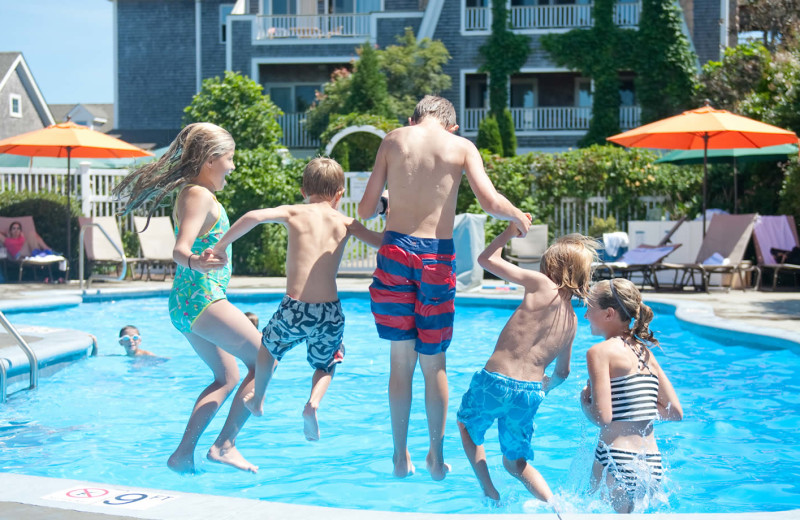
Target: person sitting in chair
[{"x": 18, "y": 246}]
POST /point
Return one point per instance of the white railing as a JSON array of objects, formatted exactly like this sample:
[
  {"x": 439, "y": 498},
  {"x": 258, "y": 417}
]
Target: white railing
[
  {"x": 574, "y": 215},
  {"x": 630, "y": 117},
  {"x": 294, "y": 132},
  {"x": 551, "y": 118},
  {"x": 626, "y": 14},
  {"x": 551, "y": 16},
  {"x": 315, "y": 26},
  {"x": 358, "y": 256}
]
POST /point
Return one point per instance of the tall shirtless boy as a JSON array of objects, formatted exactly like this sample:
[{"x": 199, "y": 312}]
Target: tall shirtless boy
[
  {"x": 310, "y": 311},
  {"x": 413, "y": 288}
]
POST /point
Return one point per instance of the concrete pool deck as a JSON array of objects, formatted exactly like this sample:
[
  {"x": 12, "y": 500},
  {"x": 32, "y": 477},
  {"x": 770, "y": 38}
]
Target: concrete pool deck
[{"x": 27, "y": 497}]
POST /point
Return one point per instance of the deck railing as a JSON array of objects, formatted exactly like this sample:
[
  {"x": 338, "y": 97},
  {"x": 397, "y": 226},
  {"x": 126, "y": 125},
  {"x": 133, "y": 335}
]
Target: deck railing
[
  {"x": 294, "y": 132},
  {"x": 551, "y": 118},
  {"x": 570, "y": 16},
  {"x": 313, "y": 26}
]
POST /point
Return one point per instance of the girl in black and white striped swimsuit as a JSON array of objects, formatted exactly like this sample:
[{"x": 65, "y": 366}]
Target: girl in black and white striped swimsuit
[{"x": 627, "y": 391}]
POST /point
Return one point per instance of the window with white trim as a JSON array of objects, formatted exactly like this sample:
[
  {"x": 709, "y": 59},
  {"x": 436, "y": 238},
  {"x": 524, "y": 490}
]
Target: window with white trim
[
  {"x": 583, "y": 92},
  {"x": 293, "y": 99},
  {"x": 523, "y": 91},
  {"x": 15, "y": 105},
  {"x": 476, "y": 91},
  {"x": 224, "y": 11}
]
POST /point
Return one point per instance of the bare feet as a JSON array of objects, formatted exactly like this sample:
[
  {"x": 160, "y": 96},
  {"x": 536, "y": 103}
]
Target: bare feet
[
  {"x": 231, "y": 457},
  {"x": 437, "y": 469},
  {"x": 310, "y": 424},
  {"x": 256, "y": 409},
  {"x": 402, "y": 466},
  {"x": 180, "y": 464}
]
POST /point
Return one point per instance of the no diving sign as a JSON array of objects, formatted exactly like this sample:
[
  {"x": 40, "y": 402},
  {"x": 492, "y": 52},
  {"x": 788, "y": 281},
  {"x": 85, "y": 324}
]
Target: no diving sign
[{"x": 114, "y": 498}]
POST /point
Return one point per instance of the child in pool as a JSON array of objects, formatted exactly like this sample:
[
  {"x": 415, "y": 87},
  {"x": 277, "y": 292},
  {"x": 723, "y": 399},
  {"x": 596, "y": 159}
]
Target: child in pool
[
  {"x": 130, "y": 338},
  {"x": 310, "y": 310},
  {"x": 627, "y": 390},
  {"x": 196, "y": 164},
  {"x": 413, "y": 287},
  {"x": 513, "y": 383}
]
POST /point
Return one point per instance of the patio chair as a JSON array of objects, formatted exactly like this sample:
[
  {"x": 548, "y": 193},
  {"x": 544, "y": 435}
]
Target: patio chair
[
  {"x": 41, "y": 261},
  {"x": 774, "y": 232},
  {"x": 721, "y": 252},
  {"x": 157, "y": 243},
  {"x": 100, "y": 252},
  {"x": 643, "y": 259},
  {"x": 527, "y": 251}
]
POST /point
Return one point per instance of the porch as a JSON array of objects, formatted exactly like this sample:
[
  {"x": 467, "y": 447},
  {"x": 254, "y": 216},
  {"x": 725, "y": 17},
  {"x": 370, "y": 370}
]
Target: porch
[
  {"x": 311, "y": 26},
  {"x": 550, "y": 118},
  {"x": 564, "y": 16}
]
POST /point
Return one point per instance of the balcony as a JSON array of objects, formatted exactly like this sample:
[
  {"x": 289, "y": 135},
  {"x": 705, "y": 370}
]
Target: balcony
[
  {"x": 546, "y": 119},
  {"x": 626, "y": 14},
  {"x": 294, "y": 133},
  {"x": 313, "y": 26}
]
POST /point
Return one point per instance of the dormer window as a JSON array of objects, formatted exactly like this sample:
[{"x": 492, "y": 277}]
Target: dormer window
[{"x": 15, "y": 105}]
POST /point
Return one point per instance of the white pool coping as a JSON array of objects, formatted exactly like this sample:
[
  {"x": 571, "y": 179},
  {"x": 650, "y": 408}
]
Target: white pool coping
[{"x": 39, "y": 496}]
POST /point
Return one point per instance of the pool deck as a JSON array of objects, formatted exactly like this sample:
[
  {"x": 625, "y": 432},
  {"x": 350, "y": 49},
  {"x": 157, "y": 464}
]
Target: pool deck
[{"x": 776, "y": 314}]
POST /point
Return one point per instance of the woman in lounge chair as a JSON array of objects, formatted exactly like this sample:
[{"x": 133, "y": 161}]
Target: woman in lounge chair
[
  {"x": 627, "y": 391},
  {"x": 196, "y": 165},
  {"x": 18, "y": 246}
]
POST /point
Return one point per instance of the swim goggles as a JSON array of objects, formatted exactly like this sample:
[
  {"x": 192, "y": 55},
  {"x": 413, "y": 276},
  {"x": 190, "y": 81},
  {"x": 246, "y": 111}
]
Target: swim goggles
[{"x": 127, "y": 339}]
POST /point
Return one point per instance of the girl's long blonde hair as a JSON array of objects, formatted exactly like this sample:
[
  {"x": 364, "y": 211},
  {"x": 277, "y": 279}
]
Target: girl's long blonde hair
[
  {"x": 568, "y": 263},
  {"x": 194, "y": 146},
  {"x": 623, "y": 296}
]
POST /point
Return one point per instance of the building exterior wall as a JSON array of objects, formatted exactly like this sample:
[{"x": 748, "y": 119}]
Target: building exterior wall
[
  {"x": 706, "y": 35},
  {"x": 30, "y": 120}
]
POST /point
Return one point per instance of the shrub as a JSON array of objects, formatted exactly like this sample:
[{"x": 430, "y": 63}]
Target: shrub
[
  {"x": 489, "y": 136},
  {"x": 602, "y": 225},
  {"x": 506, "y": 124}
]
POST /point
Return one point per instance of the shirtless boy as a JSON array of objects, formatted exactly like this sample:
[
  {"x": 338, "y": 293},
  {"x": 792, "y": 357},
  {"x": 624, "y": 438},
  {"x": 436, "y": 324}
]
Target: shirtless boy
[
  {"x": 413, "y": 287},
  {"x": 512, "y": 384},
  {"x": 310, "y": 311}
]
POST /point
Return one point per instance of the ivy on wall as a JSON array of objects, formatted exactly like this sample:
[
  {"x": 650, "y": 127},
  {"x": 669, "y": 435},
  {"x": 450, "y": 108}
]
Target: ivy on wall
[{"x": 504, "y": 54}]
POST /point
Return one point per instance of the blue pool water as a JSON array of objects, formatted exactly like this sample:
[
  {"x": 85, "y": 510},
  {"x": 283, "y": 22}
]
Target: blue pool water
[{"x": 115, "y": 420}]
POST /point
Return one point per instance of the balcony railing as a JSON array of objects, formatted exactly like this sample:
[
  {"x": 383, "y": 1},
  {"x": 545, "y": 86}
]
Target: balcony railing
[
  {"x": 551, "y": 118},
  {"x": 294, "y": 133},
  {"x": 313, "y": 26},
  {"x": 626, "y": 14}
]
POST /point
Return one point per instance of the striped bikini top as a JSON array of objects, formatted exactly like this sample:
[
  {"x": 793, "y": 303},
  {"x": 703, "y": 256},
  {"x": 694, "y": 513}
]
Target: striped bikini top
[{"x": 634, "y": 397}]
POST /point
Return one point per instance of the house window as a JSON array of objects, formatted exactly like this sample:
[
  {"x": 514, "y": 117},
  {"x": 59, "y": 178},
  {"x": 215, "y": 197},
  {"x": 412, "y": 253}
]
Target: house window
[
  {"x": 627, "y": 93},
  {"x": 293, "y": 99},
  {"x": 284, "y": 7},
  {"x": 224, "y": 11},
  {"x": 477, "y": 3},
  {"x": 583, "y": 92},
  {"x": 15, "y": 105},
  {"x": 476, "y": 91},
  {"x": 523, "y": 92}
]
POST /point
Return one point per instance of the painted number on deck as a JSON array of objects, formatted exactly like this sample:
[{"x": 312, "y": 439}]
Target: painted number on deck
[{"x": 109, "y": 497}]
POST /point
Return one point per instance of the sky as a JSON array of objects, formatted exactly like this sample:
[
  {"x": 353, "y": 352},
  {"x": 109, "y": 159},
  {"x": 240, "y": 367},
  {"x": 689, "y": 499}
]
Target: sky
[{"x": 67, "y": 44}]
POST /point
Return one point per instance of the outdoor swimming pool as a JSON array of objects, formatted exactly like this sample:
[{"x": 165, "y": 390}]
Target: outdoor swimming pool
[{"x": 115, "y": 420}]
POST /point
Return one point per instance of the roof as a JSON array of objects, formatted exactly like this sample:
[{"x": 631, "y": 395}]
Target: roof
[
  {"x": 98, "y": 110},
  {"x": 11, "y": 61},
  {"x": 6, "y": 60}
]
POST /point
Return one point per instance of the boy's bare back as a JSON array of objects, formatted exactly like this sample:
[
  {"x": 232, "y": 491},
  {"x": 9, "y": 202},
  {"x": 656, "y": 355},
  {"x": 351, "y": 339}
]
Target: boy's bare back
[{"x": 317, "y": 238}]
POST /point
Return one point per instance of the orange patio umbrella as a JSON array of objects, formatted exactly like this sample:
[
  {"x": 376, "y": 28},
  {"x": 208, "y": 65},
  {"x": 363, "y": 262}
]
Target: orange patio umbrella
[
  {"x": 703, "y": 129},
  {"x": 69, "y": 140}
]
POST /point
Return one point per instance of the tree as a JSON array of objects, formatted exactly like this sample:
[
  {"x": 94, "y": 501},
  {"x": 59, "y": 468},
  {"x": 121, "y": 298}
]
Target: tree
[
  {"x": 728, "y": 82},
  {"x": 236, "y": 103},
  {"x": 778, "y": 20},
  {"x": 489, "y": 136},
  {"x": 368, "y": 92},
  {"x": 503, "y": 54}
]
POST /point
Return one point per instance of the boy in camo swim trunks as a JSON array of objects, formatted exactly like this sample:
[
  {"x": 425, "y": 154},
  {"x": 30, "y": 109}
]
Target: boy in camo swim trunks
[
  {"x": 310, "y": 311},
  {"x": 512, "y": 384}
]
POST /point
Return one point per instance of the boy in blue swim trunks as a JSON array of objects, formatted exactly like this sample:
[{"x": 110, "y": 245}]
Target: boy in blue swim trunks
[
  {"x": 512, "y": 384},
  {"x": 310, "y": 311},
  {"x": 414, "y": 283}
]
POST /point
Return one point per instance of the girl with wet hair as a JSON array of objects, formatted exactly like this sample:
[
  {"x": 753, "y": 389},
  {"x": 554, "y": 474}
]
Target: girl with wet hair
[
  {"x": 196, "y": 165},
  {"x": 626, "y": 392}
]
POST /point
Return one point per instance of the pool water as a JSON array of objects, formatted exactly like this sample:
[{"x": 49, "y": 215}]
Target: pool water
[{"x": 115, "y": 420}]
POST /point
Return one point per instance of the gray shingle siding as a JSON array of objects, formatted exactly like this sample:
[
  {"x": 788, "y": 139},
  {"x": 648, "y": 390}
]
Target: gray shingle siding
[
  {"x": 155, "y": 62},
  {"x": 706, "y": 29},
  {"x": 390, "y": 28},
  {"x": 30, "y": 120},
  {"x": 401, "y": 5},
  {"x": 212, "y": 62}
]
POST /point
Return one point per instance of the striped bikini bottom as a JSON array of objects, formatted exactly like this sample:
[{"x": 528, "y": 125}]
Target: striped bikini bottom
[{"x": 631, "y": 469}]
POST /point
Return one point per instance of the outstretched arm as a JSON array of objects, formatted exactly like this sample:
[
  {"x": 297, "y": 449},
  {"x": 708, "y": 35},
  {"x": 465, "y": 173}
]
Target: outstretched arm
[
  {"x": 490, "y": 200},
  {"x": 193, "y": 207},
  {"x": 492, "y": 260},
  {"x": 247, "y": 222},
  {"x": 361, "y": 232},
  {"x": 368, "y": 206}
]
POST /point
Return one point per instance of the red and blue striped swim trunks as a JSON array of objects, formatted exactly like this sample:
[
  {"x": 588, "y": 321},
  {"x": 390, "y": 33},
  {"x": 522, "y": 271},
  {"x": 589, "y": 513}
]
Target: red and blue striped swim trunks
[{"x": 413, "y": 291}]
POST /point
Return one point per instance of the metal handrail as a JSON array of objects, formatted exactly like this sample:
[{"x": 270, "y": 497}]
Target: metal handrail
[
  {"x": 32, "y": 360},
  {"x": 124, "y": 269}
]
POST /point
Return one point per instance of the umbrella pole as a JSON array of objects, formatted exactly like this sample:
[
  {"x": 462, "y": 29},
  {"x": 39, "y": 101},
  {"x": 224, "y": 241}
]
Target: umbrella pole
[
  {"x": 735, "y": 190},
  {"x": 69, "y": 212},
  {"x": 705, "y": 179}
]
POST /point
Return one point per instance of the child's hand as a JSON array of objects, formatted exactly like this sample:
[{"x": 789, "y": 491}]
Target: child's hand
[
  {"x": 209, "y": 261},
  {"x": 586, "y": 393}
]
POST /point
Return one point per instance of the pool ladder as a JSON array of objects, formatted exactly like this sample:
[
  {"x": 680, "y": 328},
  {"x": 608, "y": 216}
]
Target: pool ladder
[{"x": 33, "y": 362}]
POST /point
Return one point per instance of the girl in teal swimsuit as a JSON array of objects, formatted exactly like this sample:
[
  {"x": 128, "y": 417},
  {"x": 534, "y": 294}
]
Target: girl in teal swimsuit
[{"x": 197, "y": 163}]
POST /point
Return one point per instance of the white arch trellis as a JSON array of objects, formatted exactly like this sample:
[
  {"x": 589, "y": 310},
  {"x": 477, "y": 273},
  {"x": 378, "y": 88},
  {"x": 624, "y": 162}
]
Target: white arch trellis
[{"x": 357, "y": 255}]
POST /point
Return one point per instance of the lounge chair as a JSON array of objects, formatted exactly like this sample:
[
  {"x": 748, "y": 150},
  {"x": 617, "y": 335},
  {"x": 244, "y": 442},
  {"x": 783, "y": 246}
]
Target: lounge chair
[
  {"x": 527, "y": 251},
  {"x": 100, "y": 252},
  {"x": 721, "y": 252},
  {"x": 643, "y": 259},
  {"x": 774, "y": 232},
  {"x": 42, "y": 260},
  {"x": 157, "y": 243}
]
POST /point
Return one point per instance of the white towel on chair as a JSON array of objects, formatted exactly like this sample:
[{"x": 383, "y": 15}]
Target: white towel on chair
[{"x": 614, "y": 241}]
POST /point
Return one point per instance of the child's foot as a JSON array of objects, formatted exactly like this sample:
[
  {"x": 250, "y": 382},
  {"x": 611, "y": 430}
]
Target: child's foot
[
  {"x": 402, "y": 466},
  {"x": 182, "y": 465},
  {"x": 231, "y": 457},
  {"x": 310, "y": 424},
  {"x": 250, "y": 403},
  {"x": 438, "y": 470}
]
